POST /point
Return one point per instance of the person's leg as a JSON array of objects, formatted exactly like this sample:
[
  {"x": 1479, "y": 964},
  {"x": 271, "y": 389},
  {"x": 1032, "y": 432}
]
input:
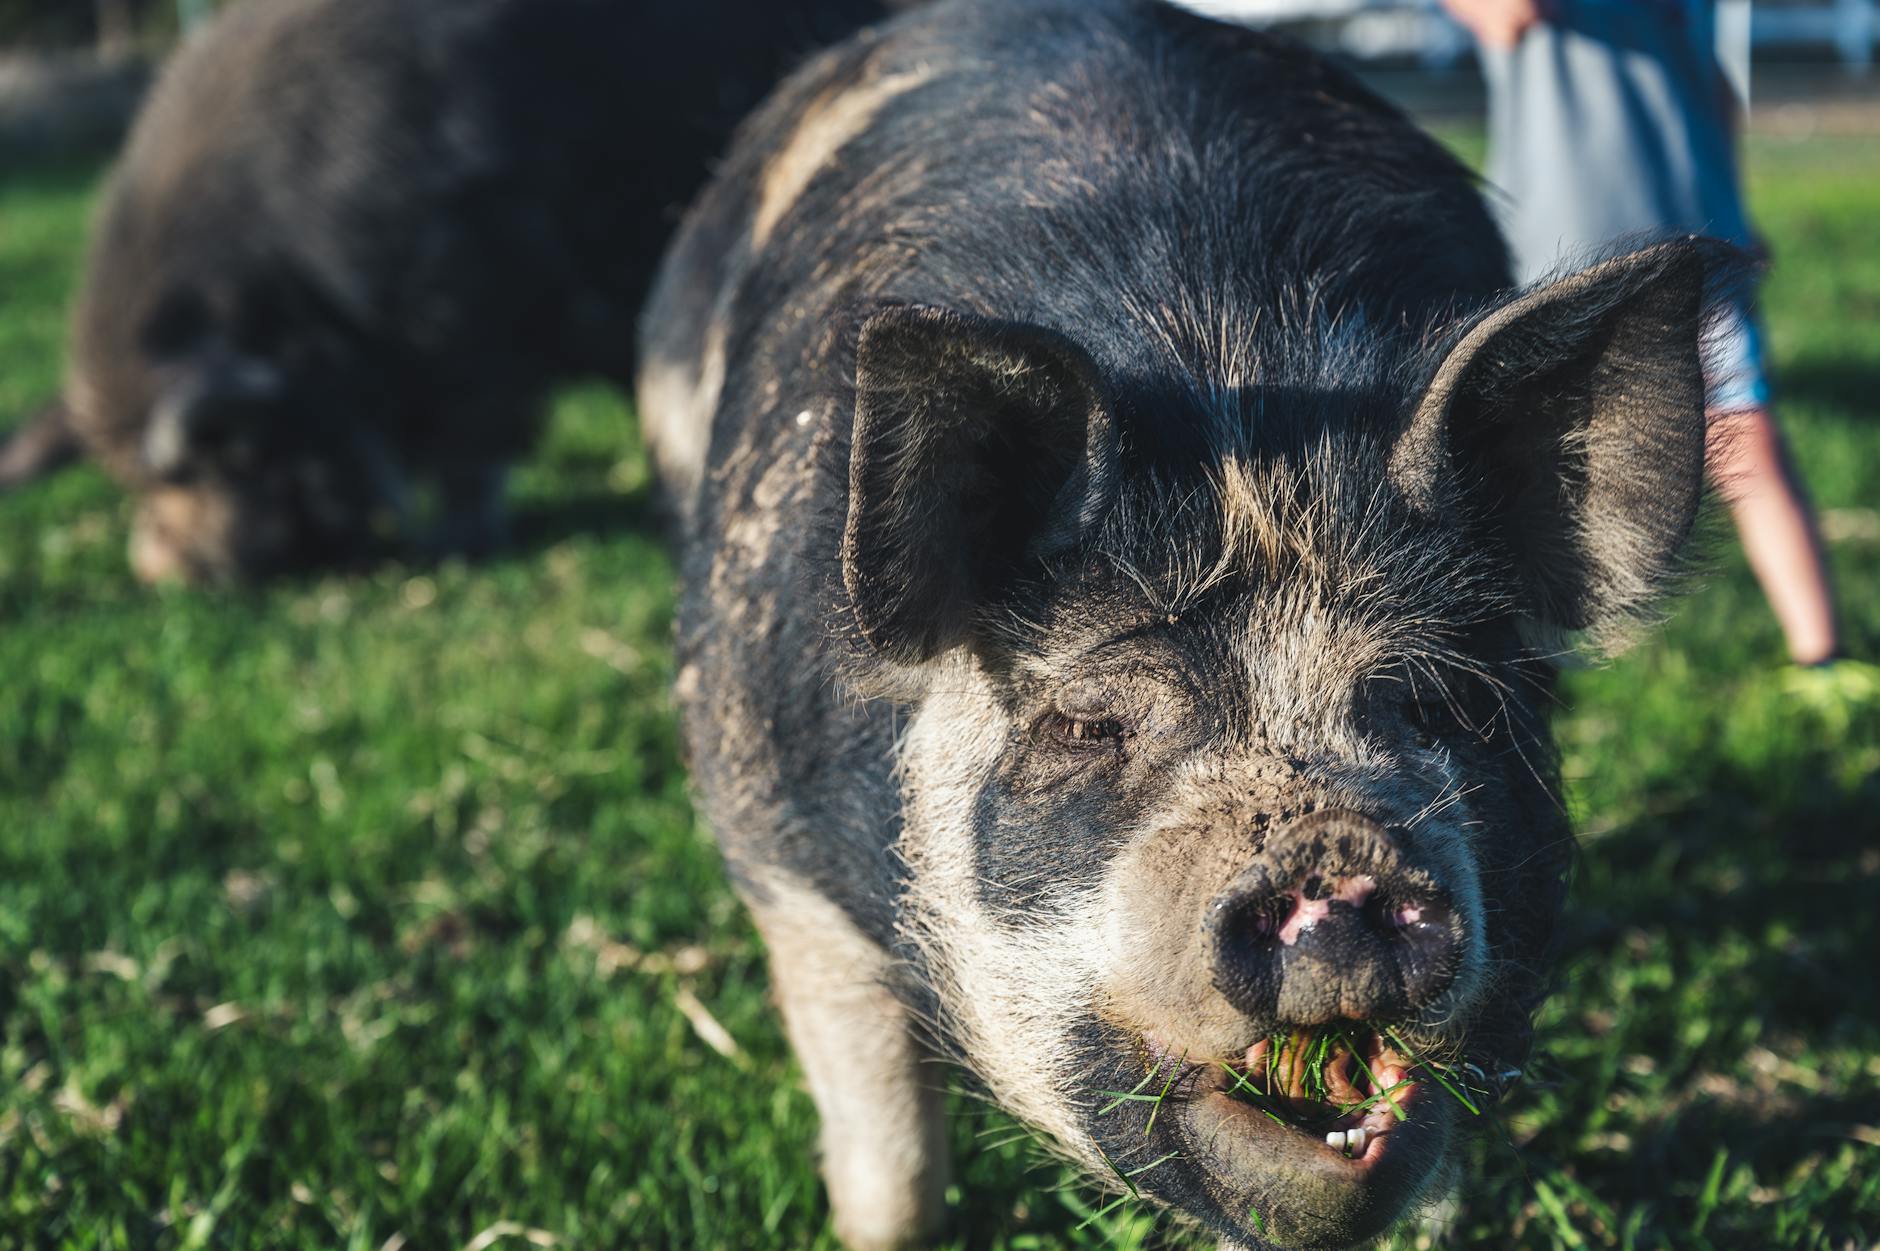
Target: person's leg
[{"x": 1750, "y": 466}]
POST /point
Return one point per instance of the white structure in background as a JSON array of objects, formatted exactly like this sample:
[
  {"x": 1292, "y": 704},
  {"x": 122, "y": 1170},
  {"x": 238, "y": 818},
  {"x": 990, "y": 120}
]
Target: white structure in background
[
  {"x": 1372, "y": 29},
  {"x": 1733, "y": 38},
  {"x": 1852, "y": 26}
]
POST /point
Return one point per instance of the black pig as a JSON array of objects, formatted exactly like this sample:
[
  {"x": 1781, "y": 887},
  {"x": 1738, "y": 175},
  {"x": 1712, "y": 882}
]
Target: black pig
[
  {"x": 353, "y": 242},
  {"x": 1127, "y": 520}
]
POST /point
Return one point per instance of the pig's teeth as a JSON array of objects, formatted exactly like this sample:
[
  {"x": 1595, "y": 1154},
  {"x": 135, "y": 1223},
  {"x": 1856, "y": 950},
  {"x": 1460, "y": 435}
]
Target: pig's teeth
[{"x": 1349, "y": 1141}]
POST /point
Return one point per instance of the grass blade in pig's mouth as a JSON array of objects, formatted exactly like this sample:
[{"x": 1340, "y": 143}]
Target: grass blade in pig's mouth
[
  {"x": 1349, "y": 1088},
  {"x": 1321, "y": 1136}
]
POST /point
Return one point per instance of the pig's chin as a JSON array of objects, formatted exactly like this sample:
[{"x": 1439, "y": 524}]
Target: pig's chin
[
  {"x": 1299, "y": 1172},
  {"x": 1286, "y": 1186}
]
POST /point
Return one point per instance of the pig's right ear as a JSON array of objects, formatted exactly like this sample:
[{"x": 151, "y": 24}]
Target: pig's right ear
[
  {"x": 980, "y": 447},
  {"x": 1569, "y": 425}
]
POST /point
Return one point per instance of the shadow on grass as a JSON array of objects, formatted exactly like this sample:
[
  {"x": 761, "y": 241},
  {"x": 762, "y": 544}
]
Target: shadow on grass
[
  {"x": 1720, "y": 955},
  {"x": 1847, "y": 384},
  {"x": 537, "y": 525},
  {"x": 38, "y": 170}
]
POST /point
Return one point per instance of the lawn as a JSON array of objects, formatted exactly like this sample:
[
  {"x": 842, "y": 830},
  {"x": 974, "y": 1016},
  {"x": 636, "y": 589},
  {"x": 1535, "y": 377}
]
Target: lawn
[{"x": 371, "y": 911}]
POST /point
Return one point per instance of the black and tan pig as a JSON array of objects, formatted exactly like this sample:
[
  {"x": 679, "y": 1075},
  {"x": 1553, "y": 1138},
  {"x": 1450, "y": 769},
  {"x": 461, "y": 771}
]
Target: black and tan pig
[{"x": 1129, "y": 524}]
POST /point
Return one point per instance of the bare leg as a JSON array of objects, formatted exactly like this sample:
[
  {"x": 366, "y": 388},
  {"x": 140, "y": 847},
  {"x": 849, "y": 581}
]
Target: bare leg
[
  {"x": 1751, "y": 468},
  {"x": 884, "y": 1143}
]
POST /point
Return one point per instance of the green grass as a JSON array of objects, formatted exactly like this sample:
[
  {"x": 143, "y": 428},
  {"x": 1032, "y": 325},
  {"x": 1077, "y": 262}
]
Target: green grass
[{"x": 367, "y": 906}]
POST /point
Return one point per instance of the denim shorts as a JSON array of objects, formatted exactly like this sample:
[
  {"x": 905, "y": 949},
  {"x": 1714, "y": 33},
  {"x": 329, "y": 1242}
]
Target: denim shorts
[{"x": 1610, "y": 125}]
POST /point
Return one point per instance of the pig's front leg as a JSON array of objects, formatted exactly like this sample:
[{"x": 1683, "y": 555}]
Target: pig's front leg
[{"x": 884, "y": 1145}]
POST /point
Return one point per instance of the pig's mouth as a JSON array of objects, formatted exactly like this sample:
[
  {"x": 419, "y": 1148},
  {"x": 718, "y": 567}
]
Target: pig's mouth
[
  {"x": 1314, "y": 1138},
  {"x": 1352, "y": 1089}
]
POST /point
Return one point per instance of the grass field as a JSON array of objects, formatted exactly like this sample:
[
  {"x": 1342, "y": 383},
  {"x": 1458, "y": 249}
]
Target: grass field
[{"x": 371, "y": 911}]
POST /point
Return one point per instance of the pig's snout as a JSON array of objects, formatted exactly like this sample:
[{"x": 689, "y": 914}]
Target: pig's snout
[{"x": 1334, "y": 919}]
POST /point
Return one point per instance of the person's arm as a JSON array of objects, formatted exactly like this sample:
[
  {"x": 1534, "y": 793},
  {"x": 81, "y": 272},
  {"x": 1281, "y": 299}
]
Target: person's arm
[{"x": 1498, "y": 23}]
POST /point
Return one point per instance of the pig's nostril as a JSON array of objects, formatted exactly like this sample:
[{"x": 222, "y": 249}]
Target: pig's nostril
[
  {"x": 1387, "y": 915},
  {"x": 1316, "y": 889},
  {"x": 1258, "y": 919},
  {"x": 1403, "y": 917}
]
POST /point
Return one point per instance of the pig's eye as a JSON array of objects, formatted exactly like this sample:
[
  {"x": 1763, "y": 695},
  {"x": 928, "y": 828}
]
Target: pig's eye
[
  {"x": 1436, "y": 708},
  {"x": 1430, "y": 718},
  {"x": 1435, "y": 718},
  {"x": 1084, "y": 731}
]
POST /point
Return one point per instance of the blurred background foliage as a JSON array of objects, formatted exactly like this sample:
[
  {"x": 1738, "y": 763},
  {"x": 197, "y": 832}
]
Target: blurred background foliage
[{"x": 110, "y": 26}]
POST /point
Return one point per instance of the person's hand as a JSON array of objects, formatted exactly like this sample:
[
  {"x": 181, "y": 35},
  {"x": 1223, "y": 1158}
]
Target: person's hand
[{"x": 1499, "y": 23}]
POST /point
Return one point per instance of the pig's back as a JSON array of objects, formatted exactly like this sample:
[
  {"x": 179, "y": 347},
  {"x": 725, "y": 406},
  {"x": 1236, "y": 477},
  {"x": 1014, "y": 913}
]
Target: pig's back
[
  {"x": 321, "y": 180},
  {"x": 1064, "y": 162},
  {"x": 427, "y": 192},
  {"x": 302, "y": 134}
]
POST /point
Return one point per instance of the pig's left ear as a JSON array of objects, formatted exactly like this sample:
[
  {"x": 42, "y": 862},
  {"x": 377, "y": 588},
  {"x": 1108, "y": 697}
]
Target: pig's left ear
[
  {"x": 1571, "y": 422},
  {"x": 980, "y": 447}
]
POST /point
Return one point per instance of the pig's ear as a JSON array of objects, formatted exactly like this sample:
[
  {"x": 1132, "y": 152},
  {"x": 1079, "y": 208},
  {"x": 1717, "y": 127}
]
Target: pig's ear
[
  {"x": 980, "y": 447},
  {"x": 1572, "y": 419}
]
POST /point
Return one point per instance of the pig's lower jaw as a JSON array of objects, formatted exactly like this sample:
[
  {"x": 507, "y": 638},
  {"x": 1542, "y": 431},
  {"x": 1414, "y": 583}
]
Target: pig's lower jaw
[
  {"x": 1286, "y": 1186},
  {"x": 1285, "y": 1172}
]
